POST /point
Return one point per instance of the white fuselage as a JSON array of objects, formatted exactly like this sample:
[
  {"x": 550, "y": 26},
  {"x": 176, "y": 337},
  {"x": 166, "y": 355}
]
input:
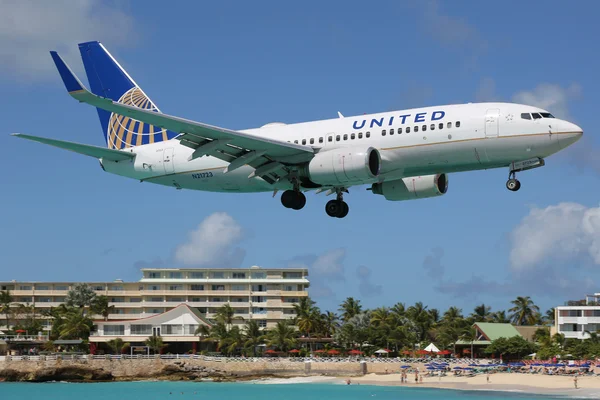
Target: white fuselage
[{"x": 488, "y": 135}]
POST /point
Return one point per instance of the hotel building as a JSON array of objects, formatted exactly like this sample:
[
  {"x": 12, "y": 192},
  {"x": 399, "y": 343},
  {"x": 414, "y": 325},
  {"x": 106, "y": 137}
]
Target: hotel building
[
  {"x": 576, "y": 318},
  {"x": 265, "y": 295}
]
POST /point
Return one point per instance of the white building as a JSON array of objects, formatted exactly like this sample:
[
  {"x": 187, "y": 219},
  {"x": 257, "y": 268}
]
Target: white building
[{"x": 577, "y": 318}]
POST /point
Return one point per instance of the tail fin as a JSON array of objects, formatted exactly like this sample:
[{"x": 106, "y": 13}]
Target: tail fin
[{"x": 108, "y": 79}]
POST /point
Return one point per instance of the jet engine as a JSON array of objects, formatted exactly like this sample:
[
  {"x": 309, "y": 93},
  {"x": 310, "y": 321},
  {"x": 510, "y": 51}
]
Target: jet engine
[
  {"x": 343, "y": 166},
  {"x": 415, "y": 187}
]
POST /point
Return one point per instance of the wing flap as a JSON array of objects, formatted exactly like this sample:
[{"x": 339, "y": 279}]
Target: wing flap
[{"x": 85, "y": 149}]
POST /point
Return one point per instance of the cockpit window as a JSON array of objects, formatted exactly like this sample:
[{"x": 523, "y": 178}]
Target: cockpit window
[
  {"x": 536, "y": 115},
  {"x": 547, "y": 115},
  {"x": 526, "y": 116}
]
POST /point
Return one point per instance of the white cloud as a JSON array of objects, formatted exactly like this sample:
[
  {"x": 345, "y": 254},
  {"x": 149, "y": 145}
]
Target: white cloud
[
  {"x": 29, "y": 29},
  {"x": 563, "y": 232},
  {"x": 448, "y": 29},
  {"x": 550, "y": 97},
  {"x": 330, "y": 264},
  {"x": 486, "y": 91},
  {"x": 213, "y": 243}
]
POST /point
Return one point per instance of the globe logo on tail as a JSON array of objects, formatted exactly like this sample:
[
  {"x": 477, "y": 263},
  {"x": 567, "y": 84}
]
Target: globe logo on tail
[{"x": 124, "y": 132}]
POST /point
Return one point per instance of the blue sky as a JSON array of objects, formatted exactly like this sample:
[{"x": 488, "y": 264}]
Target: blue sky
[{"x": 241, "y": 65}]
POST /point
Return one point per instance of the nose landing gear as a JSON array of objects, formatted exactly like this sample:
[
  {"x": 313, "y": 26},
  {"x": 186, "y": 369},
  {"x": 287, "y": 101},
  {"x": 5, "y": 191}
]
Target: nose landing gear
[{"x": 512, "y": 183}]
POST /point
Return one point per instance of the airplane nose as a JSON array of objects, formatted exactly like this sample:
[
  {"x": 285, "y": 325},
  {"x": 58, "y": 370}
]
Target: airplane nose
[{"x": 572, "y": 135}]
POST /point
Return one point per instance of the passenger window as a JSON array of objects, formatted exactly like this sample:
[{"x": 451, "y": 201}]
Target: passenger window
[
  {"x": 416, "y": 129},
  {"x": 525, "y": 116},
  {"x": 536, "y": 115},
  {"x": 320, "y": 140},
  {"x": 352, "y": 136},
  {"x": 399, "y": 131},
  {"x": 424, "y": 128},
  {"x": 330, "y": 138},
  {"x": 432, "y": 127},
  {"x": 391, "y": 131},
  {"x": 337, "y": 138},
  {"x": 383, "y": 132},
  {"x": 295, "y": 141},
  {"x": 303, "y": 141},
  {"x": 368, "y": 134},
  {"x": 360, "y": 135},
  {"x": 449, "y": 125},
  {"x": 458, "y": 124},
  {"x": 312, "y": 141},
  {"x": 441, "y": 125},
  {"x": 408, "y": 129}
]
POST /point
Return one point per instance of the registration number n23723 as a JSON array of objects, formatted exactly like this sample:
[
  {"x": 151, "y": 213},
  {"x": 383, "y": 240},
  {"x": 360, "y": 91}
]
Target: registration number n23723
[{"x": 202, "y": 175}]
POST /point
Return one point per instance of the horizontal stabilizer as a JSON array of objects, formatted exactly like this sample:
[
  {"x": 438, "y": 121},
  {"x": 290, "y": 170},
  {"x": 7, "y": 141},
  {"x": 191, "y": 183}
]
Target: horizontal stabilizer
[{"x": 85, "y": 149}]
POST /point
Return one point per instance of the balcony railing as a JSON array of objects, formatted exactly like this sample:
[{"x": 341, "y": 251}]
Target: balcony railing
[{"x": 24, "y": 338}]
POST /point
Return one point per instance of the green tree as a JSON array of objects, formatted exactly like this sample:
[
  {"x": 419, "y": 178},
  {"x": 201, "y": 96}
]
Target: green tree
[
  {"x": 482, "y": 313},
  {"x": 308, "y": 317},
  {"x": 514, "y": 347},
  {"x": 81, "y": 295},
  {"x": 253, "y": 336},
  {"x": 283, "y": 336},
  {"x": 101, "y": 306},
  {"x": 75, "y": 324},
  {"x": 117, "y": 345},
  {"x": 330, "y": 322},
  {"x": 524, "y": 312},
  {"x": 420, "y": 318},
  {"x": 155, "y": 343},
  {"x": 232, "y": 341},
  {"x": 500, "y": 317},
  {"x": 549, "y": 316},
  {"x": 6, "y": 301},
  {"x": 226, "y": 315},
  {"x": 349, "y": 308}
]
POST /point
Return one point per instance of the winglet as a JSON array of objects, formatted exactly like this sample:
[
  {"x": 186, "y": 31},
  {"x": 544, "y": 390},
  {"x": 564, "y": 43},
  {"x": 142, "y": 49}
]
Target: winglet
[
  {"x": 69, "y": 79},
  {"x": 340, "y": 115}
]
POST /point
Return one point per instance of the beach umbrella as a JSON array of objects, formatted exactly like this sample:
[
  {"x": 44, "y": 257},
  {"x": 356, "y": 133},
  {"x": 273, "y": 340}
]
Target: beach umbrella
[
  {"x": 20, "y": 331},
  {"x": 407, "y": 352},
  {"x": 445, "y": 352},
  {"x": 457, "y": 368},
  {"x": 270, "y": 351},
  {"x": 382, "y": 351},
  {"x": 405, "y": 366},
  {"x": 431, "y": 368},
  {"x": 319, "y": 351},
  {"x": 294, "y": 351},
  {"x": 355, "y": 352},
  {"x": 333, "y": 352}
]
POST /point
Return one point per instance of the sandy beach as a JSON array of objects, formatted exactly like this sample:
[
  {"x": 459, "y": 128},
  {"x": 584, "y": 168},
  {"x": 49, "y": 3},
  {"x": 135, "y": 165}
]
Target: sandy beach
[{"x": 589, "y": 387}]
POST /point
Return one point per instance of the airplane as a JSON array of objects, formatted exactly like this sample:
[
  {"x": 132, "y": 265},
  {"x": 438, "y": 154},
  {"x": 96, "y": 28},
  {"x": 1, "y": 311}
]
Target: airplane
[{"x": 402, "y": 155}]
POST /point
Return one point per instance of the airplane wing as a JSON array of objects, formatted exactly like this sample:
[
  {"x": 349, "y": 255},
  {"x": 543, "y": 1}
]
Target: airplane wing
[
  {"x": 85, "y": 149},
  {"x": 268, "y": 156}
]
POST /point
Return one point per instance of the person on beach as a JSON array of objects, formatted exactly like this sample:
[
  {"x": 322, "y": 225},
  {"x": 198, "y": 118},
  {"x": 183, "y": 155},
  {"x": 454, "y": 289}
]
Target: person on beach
[
  {"x": 487, "y": 377},
  {"x": 420, "y": 378},
  {"x": 417, "y": 377},
  {"x": 575, "y": 382}
]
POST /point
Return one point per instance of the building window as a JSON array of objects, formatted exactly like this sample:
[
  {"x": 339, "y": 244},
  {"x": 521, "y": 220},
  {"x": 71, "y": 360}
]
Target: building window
[
  {"x": 175, "y": 287},
  {"x": 239, "y": 275},
  {"x": 154, "y": 275},
  {"x": 289, "y": 288},
  {"x": 262, "y": 323},
  {"x": 156, "y": 299},
  {"x": 175, "y": 299},
  {"x": 259, "y": 275},
  {"x": 196, "y": 299},
  {"x": 135, "y": 299},
  {"x": 115, "y": 288},
  {"x": 217, "y": 299},
  {"x": 114, "y": 330},
  {"x": 141, "y": 329},
  {"x": 61, "y": 287},
  {"x": 218, "y": 287},
  {"x": 197, "y": 287},
  {"x": 259, "y": 288},
  {"x": 171, "y": 329},
  {"x": 24, "y": 287},
  {"x": 258, "y": 299},
  {"x": 218, "y": 275},
  {"x": 239, "y": 287},
  {"x": 196, "y": 275},
  {"x": 117, "y": 299},
  {"x": 154, "y": 287},
  {"x": 292, "y": 275},
  {"x": 259, "y": 310},
  {"x": 42, "y": 288}
]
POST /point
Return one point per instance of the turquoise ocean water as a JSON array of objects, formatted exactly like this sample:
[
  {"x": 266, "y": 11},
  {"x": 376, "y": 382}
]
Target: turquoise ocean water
[{"x": 242, "y": 391}]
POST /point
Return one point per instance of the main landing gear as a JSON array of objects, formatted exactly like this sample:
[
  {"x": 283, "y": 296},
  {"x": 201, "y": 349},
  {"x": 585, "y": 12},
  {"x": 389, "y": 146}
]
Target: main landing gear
[
  {"x": 293, "y": 199},
  {"x": 512, "y": 183},
  {"x": 337, "y": 208}
]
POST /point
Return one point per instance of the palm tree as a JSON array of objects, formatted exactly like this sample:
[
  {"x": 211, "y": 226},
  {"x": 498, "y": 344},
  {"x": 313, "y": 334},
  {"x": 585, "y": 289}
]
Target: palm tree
[
  {"x": 101, "y": 306},
  {"x": 500, "y": 317},
  {"x": 226, "y": 315},
  {"x": 308, "y": 317},
  {"x": 6, "y": 301},
  {"x": 253, "y": 336},
  {"x": 452, "y": 314},
  {"x": 155, "y": 343},
  {"x": 524, "y": 311},
  {"x": 482, "y": 313},
  {"x": 118, "y": 345},
  {"x": 283, "y": 336},
  {"x": 421, "y": 319},
  {"x": 550, "y": 316},
  {"x": 232, "y": 341},
  {"x": 349, "y": 308},
  {"x": 75, "y": 324},
  {"x": 80, "y": 296},
  {"x": 434, "y": 313},
  {"x": 203, "y": 331},
  {"x": 330, "y": 323}
]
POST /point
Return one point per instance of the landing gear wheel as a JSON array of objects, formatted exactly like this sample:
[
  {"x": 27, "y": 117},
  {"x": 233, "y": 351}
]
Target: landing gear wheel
[
  {"x": 513, "y": 184},
  {"x": 344, "y": 210},
  {"x": 292, "y": 199},
  {"x": 337, "y": 208},
  {"x": 299, "y": 201}
]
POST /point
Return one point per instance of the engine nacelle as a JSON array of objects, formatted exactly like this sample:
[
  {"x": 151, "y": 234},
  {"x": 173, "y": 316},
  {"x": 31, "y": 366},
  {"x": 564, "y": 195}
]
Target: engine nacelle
[
  {"x": 344, "y": 165},
  {"x": 415, "y": 187}
]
